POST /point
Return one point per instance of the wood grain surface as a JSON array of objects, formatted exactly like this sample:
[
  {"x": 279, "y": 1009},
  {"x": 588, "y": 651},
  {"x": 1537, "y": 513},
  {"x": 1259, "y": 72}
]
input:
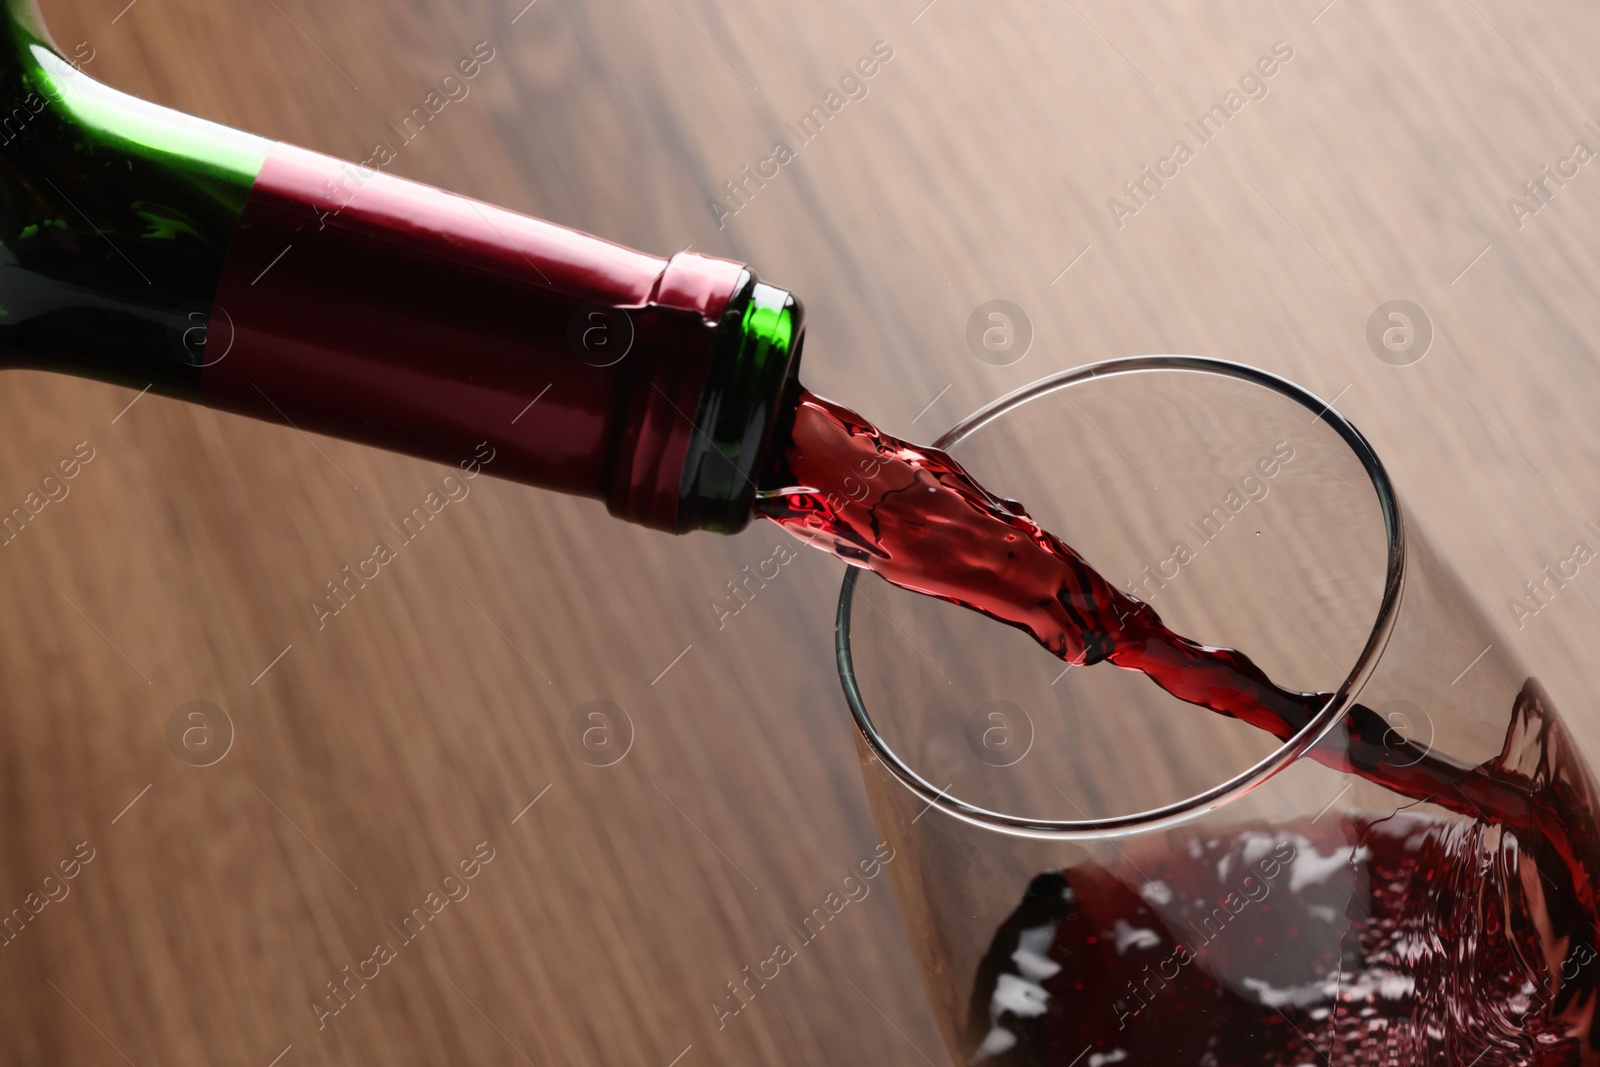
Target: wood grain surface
[{"x": 371, "y": 757}]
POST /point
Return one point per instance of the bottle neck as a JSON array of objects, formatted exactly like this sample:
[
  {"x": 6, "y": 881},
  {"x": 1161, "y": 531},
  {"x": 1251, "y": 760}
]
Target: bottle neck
[
  {"x": 743, "y": 408},
  {"x": 145, "y": 247}
]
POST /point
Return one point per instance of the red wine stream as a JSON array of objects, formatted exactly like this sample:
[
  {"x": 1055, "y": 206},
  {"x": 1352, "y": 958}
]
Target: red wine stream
[{"x": 912, "y": 515}]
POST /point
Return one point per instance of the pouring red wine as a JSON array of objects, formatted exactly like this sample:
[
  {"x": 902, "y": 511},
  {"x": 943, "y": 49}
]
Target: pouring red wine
[
  {"x": 1083, "y": 955},
  {"x": 274, "y": 282}
]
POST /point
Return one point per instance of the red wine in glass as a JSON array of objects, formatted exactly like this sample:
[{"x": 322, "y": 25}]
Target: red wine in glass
[
  {"x": 1351, "y": 954},
  {"x": 916, "y": 518}
]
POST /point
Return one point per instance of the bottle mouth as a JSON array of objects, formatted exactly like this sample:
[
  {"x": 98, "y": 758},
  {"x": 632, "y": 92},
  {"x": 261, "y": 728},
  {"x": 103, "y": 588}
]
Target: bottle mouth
[
  {"x": 1280, "y": 758},
  {"x": 748, "y": 393}
]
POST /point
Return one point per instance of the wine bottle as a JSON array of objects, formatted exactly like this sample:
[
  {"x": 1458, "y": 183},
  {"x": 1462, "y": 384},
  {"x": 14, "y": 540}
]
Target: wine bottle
[{"x": 154, "y": 249}]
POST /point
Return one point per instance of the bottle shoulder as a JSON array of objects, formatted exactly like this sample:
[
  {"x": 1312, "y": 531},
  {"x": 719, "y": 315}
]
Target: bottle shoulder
[{"x": 115, "y": 214}]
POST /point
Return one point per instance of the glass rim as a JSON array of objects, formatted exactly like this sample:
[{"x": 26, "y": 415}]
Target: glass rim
[{"x": 1288, "y": 752}]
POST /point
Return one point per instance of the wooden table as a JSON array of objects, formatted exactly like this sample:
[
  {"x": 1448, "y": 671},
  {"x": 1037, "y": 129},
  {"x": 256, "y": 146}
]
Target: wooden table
[{"x": 371, "y": 757}]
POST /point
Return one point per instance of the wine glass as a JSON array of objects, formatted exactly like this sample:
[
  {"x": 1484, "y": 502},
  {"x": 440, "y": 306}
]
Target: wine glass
[{"x": 1093, "y": 871}]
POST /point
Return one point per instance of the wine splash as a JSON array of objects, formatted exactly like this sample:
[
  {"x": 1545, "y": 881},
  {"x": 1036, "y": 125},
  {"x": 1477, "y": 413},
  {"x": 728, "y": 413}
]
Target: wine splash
[
  {"x": 913, "y": 516},
  {"x": 1400, "y": 939}
]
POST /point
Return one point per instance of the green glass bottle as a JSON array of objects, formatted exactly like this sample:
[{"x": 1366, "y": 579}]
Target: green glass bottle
[{"x": 149, "y": 248}]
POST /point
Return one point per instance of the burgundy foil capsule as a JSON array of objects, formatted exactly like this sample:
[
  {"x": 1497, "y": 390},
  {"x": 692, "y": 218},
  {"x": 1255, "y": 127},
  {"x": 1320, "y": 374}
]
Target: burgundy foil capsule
[{"x": 364, "y": 306}]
